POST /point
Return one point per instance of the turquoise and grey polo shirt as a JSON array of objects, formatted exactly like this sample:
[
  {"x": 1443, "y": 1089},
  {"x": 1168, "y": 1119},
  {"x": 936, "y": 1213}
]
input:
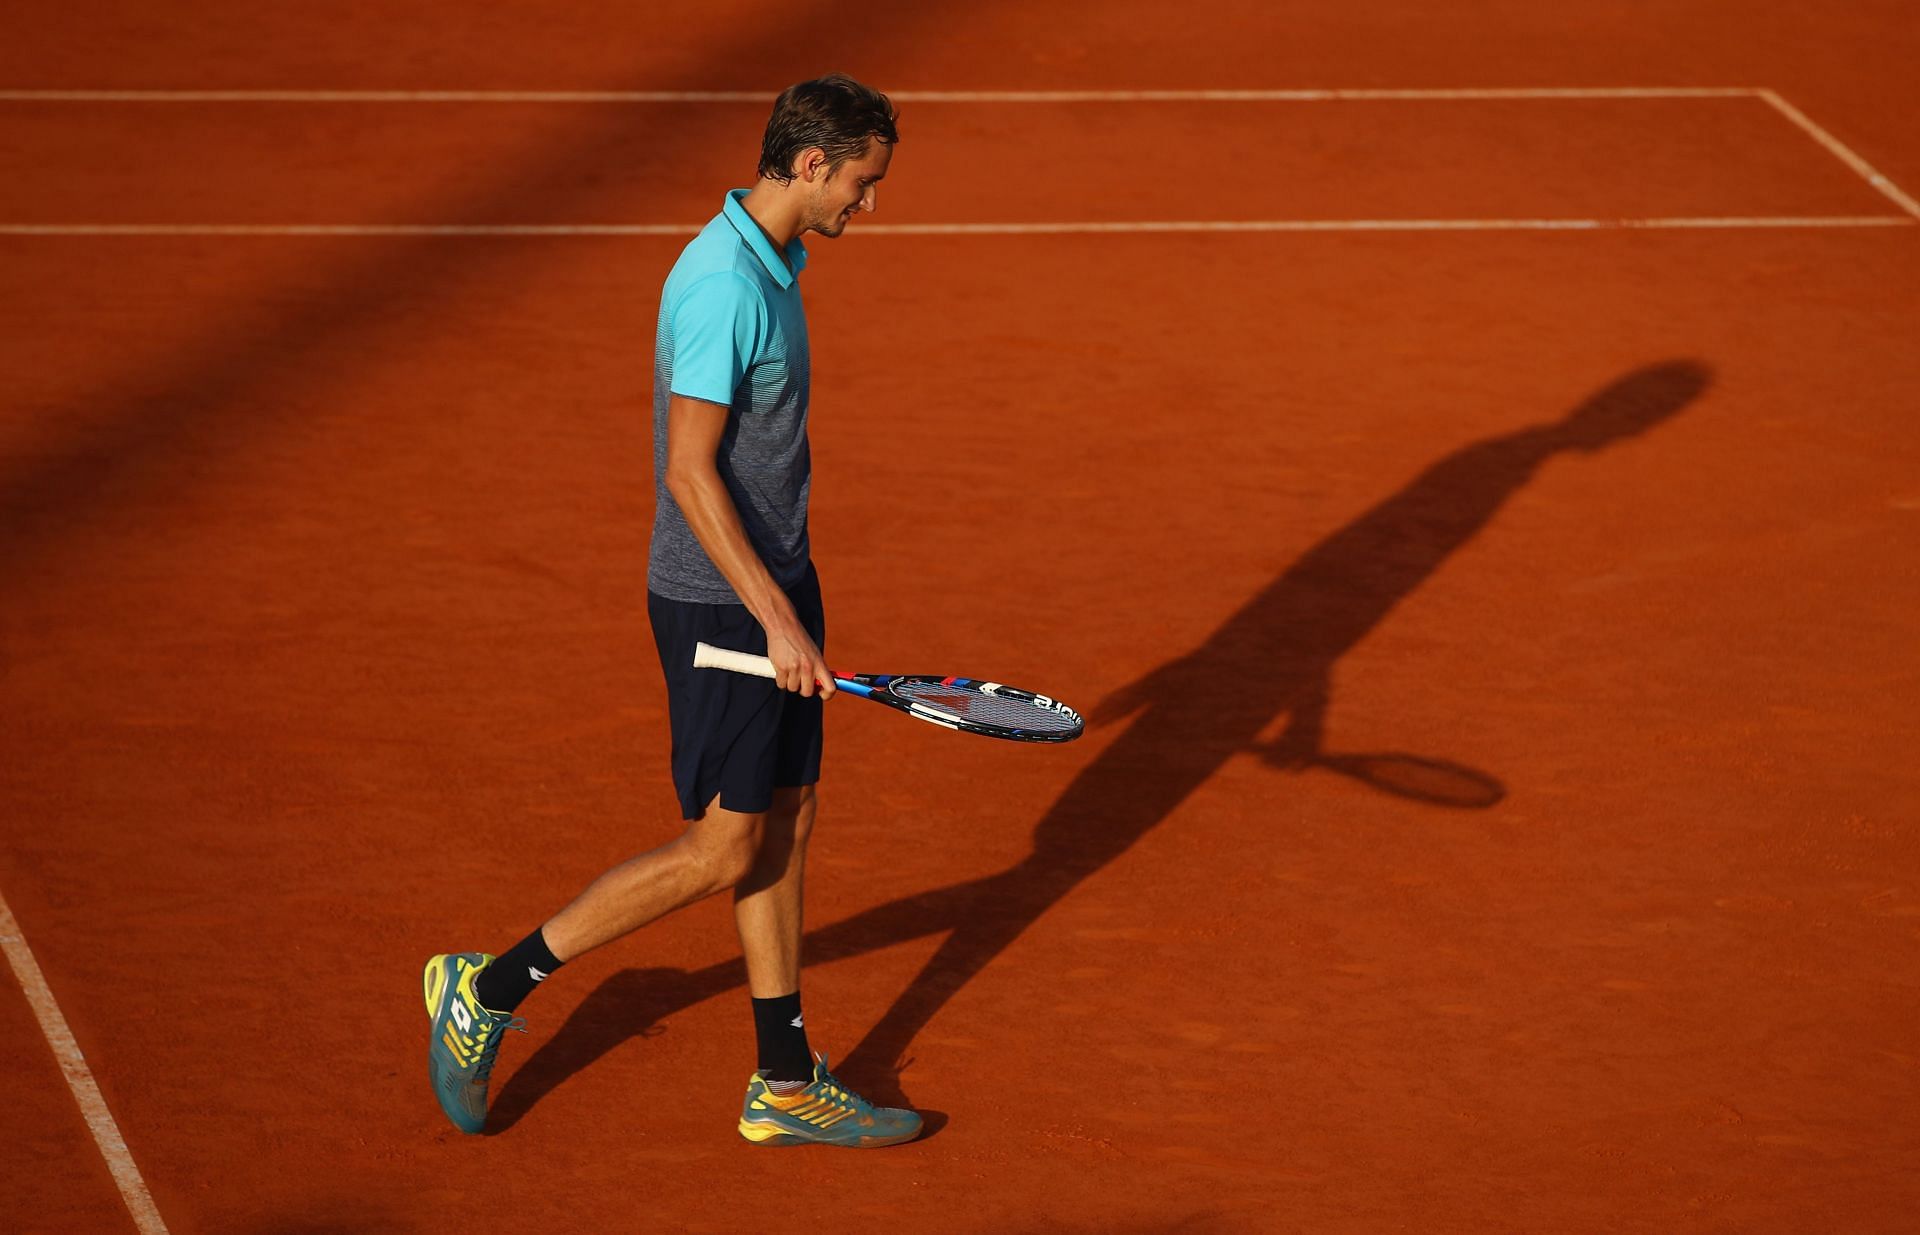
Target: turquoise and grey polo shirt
[{"x": 732, "y": 332}]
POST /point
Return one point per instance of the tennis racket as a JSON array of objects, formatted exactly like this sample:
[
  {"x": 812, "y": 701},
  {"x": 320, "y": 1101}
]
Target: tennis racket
[{"x": 967, "y": 704}]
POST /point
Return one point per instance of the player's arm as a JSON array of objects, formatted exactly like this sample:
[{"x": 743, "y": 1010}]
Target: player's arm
[{"x": 694, "y": 430}]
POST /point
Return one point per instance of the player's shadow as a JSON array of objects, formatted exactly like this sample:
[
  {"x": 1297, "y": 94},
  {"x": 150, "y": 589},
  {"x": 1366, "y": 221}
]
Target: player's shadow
[{"x": 1272, "y": 659}]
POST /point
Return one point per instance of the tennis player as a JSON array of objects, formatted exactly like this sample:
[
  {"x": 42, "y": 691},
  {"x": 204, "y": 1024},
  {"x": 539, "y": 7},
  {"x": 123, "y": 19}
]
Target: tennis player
[{"x": 731, "y": 565}]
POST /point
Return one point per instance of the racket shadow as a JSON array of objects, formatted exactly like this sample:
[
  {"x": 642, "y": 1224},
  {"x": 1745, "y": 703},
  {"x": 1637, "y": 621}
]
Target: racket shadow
[
  {"x": 1273, "y": 658},
  {"x": 1437, "y": 782}
]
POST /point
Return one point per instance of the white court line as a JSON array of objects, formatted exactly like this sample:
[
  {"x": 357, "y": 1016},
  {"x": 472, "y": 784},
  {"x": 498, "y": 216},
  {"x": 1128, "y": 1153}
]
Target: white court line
[
  {"x": 1799, "y": 119},
  {"x": 350, "y": 229},
  {"x": 1324, "y": 96},
  {"x": 73, "y": 1065},
  {"x": 964, "y": 229},
  {"x": 904, "y": 96},
  {"x": 1384, "y": 225},
  {"x": 1834, "y": 147}
]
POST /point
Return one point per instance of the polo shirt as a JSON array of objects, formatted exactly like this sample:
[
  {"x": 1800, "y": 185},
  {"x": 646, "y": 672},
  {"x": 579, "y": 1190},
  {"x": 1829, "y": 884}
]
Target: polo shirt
[{"x": 732, "y": 332}]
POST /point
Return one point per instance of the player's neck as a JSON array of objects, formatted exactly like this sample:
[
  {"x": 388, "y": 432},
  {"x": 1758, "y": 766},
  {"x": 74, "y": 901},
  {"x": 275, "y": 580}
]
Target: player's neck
[{"x": 777, "y": 211}]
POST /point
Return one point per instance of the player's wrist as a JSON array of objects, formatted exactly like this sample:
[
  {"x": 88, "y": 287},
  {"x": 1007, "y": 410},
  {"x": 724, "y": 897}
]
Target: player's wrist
[{"x": 782, "y": 624}]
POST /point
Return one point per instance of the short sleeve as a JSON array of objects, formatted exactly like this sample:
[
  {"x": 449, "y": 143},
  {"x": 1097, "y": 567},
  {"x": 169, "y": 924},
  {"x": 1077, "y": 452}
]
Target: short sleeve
[{"x": 718, "y": 326}]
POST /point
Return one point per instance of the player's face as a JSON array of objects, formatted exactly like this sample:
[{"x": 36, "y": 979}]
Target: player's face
[{"x": 848, "y": 189}]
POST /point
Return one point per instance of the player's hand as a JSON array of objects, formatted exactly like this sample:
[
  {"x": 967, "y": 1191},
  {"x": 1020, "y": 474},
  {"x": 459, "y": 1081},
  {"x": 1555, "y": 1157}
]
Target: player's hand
[{"x": 797, "y": 663}]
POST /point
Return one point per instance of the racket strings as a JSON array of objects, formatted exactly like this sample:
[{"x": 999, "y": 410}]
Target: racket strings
[{"x": 979, "y": 708}]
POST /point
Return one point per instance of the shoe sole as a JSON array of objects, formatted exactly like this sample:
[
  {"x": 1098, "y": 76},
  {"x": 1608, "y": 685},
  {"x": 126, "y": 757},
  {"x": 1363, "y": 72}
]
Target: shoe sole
[{"x": 770, "y": 1134}]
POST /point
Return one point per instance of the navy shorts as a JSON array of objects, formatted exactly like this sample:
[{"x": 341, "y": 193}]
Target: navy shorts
[{"x": 736, "y": 736}]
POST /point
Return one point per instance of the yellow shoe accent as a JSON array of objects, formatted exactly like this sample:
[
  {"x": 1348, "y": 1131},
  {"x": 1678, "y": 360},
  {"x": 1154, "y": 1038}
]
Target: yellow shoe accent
[
  {"x": 436, "y": 982},
  {"x": 759, "y": 1134}
]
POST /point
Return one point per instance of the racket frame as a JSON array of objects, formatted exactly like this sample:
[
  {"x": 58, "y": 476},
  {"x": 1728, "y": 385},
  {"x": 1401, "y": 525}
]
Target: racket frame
[{"x": 880, "y": 688}]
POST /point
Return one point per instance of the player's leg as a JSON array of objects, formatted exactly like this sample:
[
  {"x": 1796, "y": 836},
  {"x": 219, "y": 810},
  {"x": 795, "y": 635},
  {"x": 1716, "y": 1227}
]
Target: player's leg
[
  {"x": 725, "y": 729},
  {"x": 767, "y": 911},
  {"x": 713, "y": 853},
  {"x": 767, "y": 904},
  {"x": 716, "y": 852},
  {"x": 471, "y": 996},
  {"x": 791, "y": 1099}
]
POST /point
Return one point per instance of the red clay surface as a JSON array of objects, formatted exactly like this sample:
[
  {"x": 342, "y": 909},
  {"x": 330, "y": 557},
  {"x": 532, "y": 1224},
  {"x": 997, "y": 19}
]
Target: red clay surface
[{"x": 1499, "y": 812}]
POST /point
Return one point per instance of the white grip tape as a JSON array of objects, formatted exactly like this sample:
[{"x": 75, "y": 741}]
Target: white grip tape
[{"x": 706, "y": 656}]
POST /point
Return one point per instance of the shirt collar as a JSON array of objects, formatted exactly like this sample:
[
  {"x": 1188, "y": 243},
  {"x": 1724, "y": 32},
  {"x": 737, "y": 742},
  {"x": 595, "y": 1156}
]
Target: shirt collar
[{"x": 762, "y": 247}]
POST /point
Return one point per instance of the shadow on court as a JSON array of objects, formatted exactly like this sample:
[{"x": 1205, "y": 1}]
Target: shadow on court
[
  {"x": 1273, "y": 658},
  {"x": 146, "y": 439},
  {"x": 630, "y": 1004}
]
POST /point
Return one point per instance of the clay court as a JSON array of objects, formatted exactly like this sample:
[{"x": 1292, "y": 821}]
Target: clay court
[{"x": 1461, "y": 457}]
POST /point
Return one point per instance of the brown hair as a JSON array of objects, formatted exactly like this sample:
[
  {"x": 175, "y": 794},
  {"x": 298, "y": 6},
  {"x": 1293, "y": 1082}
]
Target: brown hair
[{"x": 835, "y": 113}]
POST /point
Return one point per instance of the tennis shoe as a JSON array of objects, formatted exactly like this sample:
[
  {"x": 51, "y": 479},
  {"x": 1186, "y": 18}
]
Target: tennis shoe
[
  {"x": 826, "y": 1112},
  {"x": 466, "y": 1037}
]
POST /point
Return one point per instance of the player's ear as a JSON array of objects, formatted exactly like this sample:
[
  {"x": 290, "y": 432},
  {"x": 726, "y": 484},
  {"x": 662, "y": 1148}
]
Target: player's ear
[{"x": 811, "y": 164}]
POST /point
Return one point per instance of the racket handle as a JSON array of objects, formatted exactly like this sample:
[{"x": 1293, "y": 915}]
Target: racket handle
[{"x": 706, "y": 656}]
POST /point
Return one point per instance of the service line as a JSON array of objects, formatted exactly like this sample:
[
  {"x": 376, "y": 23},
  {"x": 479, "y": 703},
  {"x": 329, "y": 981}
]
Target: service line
[
  {"x": 1859, "y": 166},
  {"x": 1086, "y": 228},
  {"x": 905, "y": 96}
]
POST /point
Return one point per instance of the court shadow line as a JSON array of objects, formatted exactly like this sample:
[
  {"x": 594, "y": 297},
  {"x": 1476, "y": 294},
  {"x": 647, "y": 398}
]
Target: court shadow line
[
  {"x": 155, "y": 433},
  {"x": 1273, "y": 658}
]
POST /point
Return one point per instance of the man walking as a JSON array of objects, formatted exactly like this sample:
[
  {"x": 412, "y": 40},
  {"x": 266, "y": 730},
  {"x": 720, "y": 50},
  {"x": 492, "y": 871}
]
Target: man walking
[{"x": 730, "y": 565}]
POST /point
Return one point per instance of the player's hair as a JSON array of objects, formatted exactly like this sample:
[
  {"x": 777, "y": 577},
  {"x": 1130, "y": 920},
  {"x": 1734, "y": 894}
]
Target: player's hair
[{"x": 835, "y": 113}]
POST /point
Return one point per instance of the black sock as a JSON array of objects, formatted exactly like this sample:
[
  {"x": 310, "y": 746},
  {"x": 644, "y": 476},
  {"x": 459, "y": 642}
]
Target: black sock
[
  {"x": 783, "y": 1039},
  {"x": 502, "y": 985}
]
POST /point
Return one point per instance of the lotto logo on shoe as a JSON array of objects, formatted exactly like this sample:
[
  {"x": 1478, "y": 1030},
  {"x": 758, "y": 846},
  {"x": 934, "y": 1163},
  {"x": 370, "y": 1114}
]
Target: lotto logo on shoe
[{"x": 462, "y": 1017}]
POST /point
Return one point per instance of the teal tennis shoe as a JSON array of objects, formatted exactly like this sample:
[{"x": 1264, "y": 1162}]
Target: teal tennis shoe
[
  {"x": 466, "y": 1037},
  {"x": 824, "y": 1113}
]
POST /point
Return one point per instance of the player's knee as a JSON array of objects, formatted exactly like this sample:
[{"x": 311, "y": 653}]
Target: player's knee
[{"x": 724, "y": 850}]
